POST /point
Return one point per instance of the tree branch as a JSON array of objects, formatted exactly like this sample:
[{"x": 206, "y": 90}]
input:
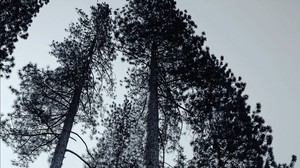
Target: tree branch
[
  {"x": 68, "y": 150},
  {"x": 87, "y": 149}
]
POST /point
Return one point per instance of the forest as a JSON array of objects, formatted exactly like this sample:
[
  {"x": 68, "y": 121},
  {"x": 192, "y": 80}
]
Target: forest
[{"x": 175, "y": 87}]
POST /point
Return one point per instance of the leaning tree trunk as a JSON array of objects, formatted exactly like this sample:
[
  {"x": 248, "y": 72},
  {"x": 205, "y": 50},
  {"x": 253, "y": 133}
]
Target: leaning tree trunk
[
  {"x": 63, "y": 140},
  {"x": 151, "y": 155}
]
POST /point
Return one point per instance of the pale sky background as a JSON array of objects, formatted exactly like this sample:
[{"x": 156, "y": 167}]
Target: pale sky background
[{"x": 260, "y": 39}]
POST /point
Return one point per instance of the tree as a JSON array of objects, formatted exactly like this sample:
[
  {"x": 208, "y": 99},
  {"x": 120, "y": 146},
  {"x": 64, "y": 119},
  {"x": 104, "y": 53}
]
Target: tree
[
  {"x": 225, "y": 131},
  {"x": 49, "y": 102},
  {"x": 218, "y": 114},
  {"x": 173, "y": 79},
  {"x": 151, "y": 36},
  {"x": 121, "y": 143},
  {"x": 16, "y": 17},
  {"x": 181, "y": 77},
  {"x": 231, "y": 142}
]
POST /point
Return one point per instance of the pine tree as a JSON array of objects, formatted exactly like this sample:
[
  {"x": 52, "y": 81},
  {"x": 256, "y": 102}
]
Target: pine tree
[
  {"x": 181, "y": 78},
  {"x": 151, "y": 36},
  {"x": 173, "y": 80},
  {"x": 49, "y": 102},
  {"x": 121, "y": 143},
  {"x": 225, "y": 131},
  {"x": 16, "y": 17}
]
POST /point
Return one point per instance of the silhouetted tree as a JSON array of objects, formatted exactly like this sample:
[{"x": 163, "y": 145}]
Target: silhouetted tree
[
  {"x": 16, "y": 17},
  {"x": 151, "y": 36},
  {"x": 173, "y": 80},
  {"x": 121, "y": 144},
  {"x": 225, "y": 131},
  {"x": 49, "y": 102},
  {"x": 170, "y": 67}
]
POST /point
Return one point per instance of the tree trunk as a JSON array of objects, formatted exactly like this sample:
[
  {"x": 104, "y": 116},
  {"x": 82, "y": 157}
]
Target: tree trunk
[
  {"x": 151, "y": 155},
  {"x": 63, "y": 140}
]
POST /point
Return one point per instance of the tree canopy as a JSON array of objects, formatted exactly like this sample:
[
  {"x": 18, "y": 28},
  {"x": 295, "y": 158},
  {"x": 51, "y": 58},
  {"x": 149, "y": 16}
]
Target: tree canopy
[
  {"x": 49, "y": 101},
  {"x": 173, "y": 81},
  {"x": 16, "y": 17}
]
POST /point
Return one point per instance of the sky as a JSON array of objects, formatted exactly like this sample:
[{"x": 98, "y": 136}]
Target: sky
[{"x": 260, "y": 40}]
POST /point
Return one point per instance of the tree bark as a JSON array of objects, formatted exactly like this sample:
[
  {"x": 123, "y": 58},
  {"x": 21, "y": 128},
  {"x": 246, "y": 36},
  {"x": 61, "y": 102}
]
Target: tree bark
[
  {"x": 151, "y": 155},
  {"x": 63, "y": 140},
  {"x": 61, "y": 146}
]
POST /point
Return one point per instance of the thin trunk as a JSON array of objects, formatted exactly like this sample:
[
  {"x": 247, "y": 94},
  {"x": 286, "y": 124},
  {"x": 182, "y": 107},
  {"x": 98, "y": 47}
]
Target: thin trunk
[
  {"x": 163, "y": 161},
  {"x": 61, "y": 146},
  {"x": 164, "y": 135},
  {"x": 63, "y": 140},
  {"x": 152, "y": 145}
]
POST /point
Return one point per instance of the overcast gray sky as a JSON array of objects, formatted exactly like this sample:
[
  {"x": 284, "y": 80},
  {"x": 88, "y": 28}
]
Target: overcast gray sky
[{"x": 259, "y": 39}]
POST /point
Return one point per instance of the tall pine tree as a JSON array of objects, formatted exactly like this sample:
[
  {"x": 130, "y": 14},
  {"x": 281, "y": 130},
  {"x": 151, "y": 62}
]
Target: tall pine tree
[
  {"x": 181, "y": 78},
  {"x": 151, "y": 36},
  {"x": 49, "y": 102}
]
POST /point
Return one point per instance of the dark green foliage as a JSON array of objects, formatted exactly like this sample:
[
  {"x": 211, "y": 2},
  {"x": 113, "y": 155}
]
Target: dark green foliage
[
  {"x": 46, "y": 97},
  {"x": 16, "y": 17}
]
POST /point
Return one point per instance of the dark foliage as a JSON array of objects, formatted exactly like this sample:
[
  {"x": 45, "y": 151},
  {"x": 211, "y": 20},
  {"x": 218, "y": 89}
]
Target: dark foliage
[
  {"x": 121, "y": 144},
  {"x": 15, "y": 19},
  {"x": 173, "y": 81},
  {"x": 46, "y": 98},
  {"x": 151, "y": 35}
]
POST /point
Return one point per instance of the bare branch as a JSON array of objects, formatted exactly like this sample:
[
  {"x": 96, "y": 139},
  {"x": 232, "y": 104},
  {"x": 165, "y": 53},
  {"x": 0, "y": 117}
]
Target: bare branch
[
  {"x": 87, "y": 149},
  {"x": 68, "y": 150}
]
